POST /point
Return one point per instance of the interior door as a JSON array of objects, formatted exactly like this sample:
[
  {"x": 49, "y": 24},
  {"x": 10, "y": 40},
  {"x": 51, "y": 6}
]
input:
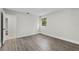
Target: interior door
[
  {"x": 11, "y": 26},
  {"x": 1, "y": 29}
]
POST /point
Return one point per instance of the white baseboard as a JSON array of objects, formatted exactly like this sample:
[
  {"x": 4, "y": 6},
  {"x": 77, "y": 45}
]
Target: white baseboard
[
  {"x": 72, "y": 41},
  {"x": 21, "y": 36},
  {"x": 26, "y": 35}
]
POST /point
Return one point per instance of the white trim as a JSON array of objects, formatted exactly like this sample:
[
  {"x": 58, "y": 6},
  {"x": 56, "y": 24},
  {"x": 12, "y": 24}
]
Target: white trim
[
  {"x": 21, "y": 36},
  {"x": 72, "y": 41},
  {"x": 26, "y": 35}
]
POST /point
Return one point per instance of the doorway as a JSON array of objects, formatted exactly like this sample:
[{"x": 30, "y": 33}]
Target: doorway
[
  {"x": 2, "y": 29},
  {"x": 8, "y": 27},
  {"x": 10, "y": 21}
]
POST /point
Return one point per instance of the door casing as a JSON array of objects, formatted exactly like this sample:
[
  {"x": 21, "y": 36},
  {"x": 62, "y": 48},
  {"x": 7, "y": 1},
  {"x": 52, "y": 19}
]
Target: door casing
[{"x": 2, "y": 29}]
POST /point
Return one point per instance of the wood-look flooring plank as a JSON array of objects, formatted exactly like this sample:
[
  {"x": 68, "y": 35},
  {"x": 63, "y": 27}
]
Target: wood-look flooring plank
[{"x": 38, "y": 42}]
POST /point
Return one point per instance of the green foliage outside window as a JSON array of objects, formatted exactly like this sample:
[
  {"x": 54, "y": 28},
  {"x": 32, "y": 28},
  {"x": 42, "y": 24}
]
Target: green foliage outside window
[{"x": 44, "y": 21}]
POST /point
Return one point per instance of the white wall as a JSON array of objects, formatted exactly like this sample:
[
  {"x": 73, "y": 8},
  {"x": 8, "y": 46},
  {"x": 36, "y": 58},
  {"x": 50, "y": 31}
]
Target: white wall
[
  {"x": 26, "y": 25},
  {"x": 63, "y": 24}
]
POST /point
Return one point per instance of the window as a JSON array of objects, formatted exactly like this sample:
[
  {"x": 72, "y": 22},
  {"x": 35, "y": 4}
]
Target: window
[{"x": 44, "y": 21}]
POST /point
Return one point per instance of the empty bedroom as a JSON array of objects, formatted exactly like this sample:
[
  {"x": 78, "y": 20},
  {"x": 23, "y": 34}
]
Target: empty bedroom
[{"x": 39, "y": 29}]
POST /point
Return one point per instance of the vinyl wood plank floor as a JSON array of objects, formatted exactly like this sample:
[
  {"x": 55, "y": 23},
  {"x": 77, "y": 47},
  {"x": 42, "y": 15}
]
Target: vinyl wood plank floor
[{"x": 38, "y": 42}]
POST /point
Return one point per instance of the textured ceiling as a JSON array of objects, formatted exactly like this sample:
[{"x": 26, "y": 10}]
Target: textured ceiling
[{"x": 35, "y": 11}]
